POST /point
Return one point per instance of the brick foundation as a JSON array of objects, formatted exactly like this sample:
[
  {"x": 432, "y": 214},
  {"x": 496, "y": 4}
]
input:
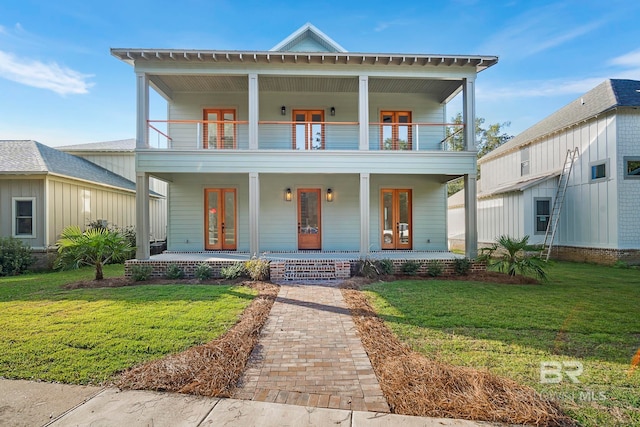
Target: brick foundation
[
  {"x": 189, "y": 267},
  {"x": 596, "y": 255}
]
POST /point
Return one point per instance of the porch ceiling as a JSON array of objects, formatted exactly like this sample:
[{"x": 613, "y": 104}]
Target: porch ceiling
[{"x": 442, "y": 89}]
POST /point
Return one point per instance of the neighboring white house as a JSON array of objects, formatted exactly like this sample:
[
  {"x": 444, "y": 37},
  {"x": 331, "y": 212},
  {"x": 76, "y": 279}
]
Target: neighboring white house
[
  {"x": 599, "y": 220},
  {"x": 119, "y": 157},
  {"x": 303, "y": 147}
]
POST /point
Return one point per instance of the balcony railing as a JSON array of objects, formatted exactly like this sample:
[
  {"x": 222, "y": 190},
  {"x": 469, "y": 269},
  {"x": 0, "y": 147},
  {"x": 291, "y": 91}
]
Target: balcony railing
[{"x": 299, "y": 136}]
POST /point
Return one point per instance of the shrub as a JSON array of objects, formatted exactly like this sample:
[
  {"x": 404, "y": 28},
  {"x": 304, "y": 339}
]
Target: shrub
[
  {"x": 512, "y": 258},
  {"x": 140, "y": 273},
  {"x": 411, "y": 267},
  {"x": 461, "y": 266},
  {"x": 233, "y": 271},
  {"x": 257, "y": 269},
  {"x": 96, "y": 247},
  {"x": 385, "y": 266},
  {"x": 435, "y": 268},
  {"x": 174, "y": 272},
  {"x": 203, "y": 271},
  {"x": 15, "y": 256},
  {"x": 367, "y": 268}
]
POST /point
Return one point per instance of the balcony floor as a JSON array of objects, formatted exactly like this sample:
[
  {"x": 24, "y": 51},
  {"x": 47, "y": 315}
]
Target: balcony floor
[{"x": 304, "y": 255}]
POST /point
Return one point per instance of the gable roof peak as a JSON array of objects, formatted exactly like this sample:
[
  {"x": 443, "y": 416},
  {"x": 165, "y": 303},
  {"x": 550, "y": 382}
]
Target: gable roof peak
[{"x": 308, "y": 38}]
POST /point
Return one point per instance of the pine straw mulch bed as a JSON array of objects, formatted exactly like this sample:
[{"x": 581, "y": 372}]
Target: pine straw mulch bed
[
  {"x": 211, "y": 369},
  {"x": 415, "y": 385}
]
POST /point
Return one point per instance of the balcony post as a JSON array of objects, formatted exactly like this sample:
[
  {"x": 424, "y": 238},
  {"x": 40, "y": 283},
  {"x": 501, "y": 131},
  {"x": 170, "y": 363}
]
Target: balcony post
[
  {"x": 365, "y": 215},
  {"x": 142, "y": 110},
  {"x": 253, "y": 111},
  {"x": 469, "y": 114},
  {"x": 142, "y": 216},
  {"x": 363, "y": 112},
  {"x": 254, "y": 213},
  {"x": 470, "y": 217}
]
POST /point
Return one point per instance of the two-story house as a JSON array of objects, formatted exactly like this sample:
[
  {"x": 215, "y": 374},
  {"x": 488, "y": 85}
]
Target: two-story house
[
  {"x": 304, "y": 147},
  {"x": 598, "y": 215}
]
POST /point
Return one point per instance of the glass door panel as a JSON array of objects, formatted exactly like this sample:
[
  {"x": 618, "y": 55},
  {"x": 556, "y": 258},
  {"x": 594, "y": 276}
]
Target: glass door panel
[
  {"x": 220, "y": 219},
  {"x": 309, "y": 233},
  {"x": 397, "y": 227},
  {"x": 308, "y": 131},
  {"x": 219, "y": 130},
  {"x": 396, "y": 130}
]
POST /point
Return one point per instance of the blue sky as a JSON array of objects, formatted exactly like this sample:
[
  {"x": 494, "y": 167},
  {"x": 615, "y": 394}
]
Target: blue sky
[{"x": 60, "y": 85}]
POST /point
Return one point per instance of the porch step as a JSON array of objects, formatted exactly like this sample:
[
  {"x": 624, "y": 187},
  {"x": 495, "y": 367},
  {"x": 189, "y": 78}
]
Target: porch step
[{"x": 303, "y": 270}]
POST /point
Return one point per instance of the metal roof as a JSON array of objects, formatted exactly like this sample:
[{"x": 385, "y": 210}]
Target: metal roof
[
  {"x": 519, "y": 186},
  {"x": 31, "y": 157},
  {"x": 121, "y": 145},
  {"x": 608, "y": 95},
  {"x": 130, "y": 55}
]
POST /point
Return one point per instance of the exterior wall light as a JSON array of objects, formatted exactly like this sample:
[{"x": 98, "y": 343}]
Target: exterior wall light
[
  {"x": 283, "y": 110},
  {"x": 329, "y": 195},
  {"x": 332, "y": 111},
  {"x": 287, "y": 193}
]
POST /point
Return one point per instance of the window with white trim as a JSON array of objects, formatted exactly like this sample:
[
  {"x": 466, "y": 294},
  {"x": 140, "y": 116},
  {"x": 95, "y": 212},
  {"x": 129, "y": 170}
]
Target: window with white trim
[
  {"x": 542, "y": 214},
  {"x": 631, "y": 167},
  {"x": 24, "y": 209},
  {"x": 599, "y": 170}
]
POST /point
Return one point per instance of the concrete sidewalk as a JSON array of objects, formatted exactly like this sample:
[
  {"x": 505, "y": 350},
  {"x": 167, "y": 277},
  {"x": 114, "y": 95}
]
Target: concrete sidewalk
[{"x": 25, "y": 403}]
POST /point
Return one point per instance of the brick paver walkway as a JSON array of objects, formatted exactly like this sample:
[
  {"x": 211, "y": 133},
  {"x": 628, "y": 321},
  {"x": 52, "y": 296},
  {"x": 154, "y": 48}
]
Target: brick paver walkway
[{"x": 309, "y": 353}]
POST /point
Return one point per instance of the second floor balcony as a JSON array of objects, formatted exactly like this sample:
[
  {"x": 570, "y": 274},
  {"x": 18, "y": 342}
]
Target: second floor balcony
[{"x": 303, "y": 135}]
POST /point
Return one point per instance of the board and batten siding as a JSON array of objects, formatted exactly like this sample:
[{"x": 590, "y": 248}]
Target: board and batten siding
[
  {"x": 628, "y": 134},
  {"x": 500, "y": 215},
  {"x": 185, "y": 231},
  {"x": 589, "y": 214},
  {"x": 23, "y": 187},
  {"x": 429, "y": 213},
  {"x": 74, "y": 203}
]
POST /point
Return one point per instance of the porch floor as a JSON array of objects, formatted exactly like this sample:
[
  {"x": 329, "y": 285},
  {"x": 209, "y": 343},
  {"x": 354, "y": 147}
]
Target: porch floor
[{"x": 305, "y": 255}]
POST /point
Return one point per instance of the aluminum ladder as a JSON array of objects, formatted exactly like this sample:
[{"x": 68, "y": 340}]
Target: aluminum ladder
[{"x": 558, "y": 201}]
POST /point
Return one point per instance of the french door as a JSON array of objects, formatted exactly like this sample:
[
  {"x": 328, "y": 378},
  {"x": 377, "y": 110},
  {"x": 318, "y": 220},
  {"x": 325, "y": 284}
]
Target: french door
[
  {"x": 308, "y": 130},
  {"x": 309, "y": 230},
  {"x": 219, "y": 128},
  {"x": 397, "y": 228},
  {"x": 220, "y": 219},
  {"x": 396, "y": 131}
]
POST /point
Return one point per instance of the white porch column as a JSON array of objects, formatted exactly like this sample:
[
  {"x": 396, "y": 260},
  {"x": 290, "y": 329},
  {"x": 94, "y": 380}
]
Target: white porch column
[
  {"x": 365, "y": 216},
  {"x": 469, "y": 114},
  {"x": 470, "y": 217},
  {"x": 142, "y": 216},
  {"x": 254, "y": 213},
  {"x": 142, "y": 110},
  {"x": 253, "y": 111},
  {"x": 363, "y": 112}
]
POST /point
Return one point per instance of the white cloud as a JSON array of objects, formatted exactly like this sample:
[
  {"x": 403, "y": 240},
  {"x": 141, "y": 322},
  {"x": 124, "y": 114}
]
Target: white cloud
[
  {"x": 631, "y": 59},
  {"x": 535, "y": 31},
  {"x": 59, "y": 79}
]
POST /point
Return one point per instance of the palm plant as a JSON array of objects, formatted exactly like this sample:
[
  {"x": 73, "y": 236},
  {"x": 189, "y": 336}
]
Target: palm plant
[
  {"x": 509, "y": 255},
  {"x": 96, "y": 247}
]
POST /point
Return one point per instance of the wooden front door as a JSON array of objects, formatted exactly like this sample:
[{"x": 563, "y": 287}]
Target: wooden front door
[
  {"x": 308, "y": 130},
  {"x": 309, "y": 230},
  {"x": 397, "y": 228},
  {"x": 220, "y": 219}
]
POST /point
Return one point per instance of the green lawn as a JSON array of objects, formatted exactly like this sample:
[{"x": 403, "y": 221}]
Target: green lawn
[
  {"x": 87, "y": 335},
  {"x": 585, "y": 313}
]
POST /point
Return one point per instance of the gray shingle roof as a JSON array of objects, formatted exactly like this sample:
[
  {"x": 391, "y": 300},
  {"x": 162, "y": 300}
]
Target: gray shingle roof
[
  {"x": 31, "y": 157},
  {"x": 118, "y": 145},
  {"x": 606, "y": 96}
]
